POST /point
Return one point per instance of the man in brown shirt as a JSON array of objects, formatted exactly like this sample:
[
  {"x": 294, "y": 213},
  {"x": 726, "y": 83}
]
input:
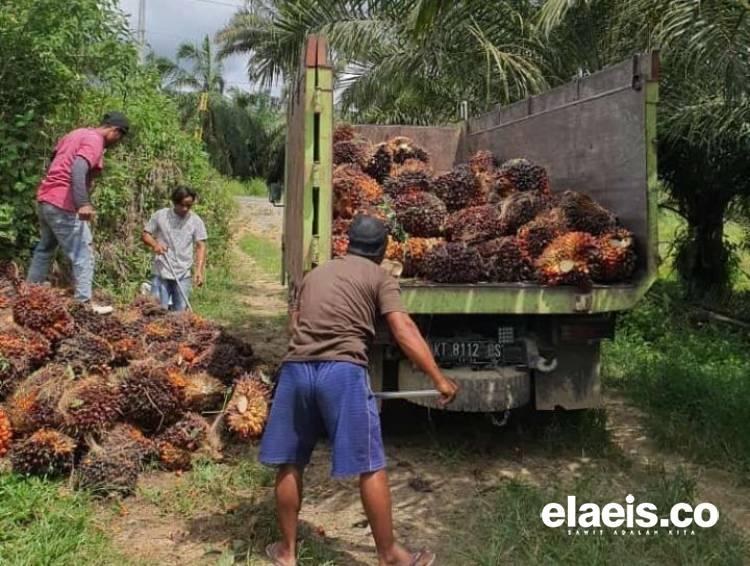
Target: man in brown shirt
[{"x": 324, "y": 386}]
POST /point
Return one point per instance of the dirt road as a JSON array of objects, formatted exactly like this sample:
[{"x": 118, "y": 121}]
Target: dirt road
[{"x": 439, "y": 465}]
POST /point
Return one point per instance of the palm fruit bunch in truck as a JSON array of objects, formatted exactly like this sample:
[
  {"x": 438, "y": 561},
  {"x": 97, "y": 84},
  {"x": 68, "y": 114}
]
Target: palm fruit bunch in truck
[{"x": 518, "y": 234}]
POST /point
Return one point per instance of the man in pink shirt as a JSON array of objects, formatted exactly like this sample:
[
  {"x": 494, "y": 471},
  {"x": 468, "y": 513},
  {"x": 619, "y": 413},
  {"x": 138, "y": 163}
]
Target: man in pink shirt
[{"x": 64, "y": 203}]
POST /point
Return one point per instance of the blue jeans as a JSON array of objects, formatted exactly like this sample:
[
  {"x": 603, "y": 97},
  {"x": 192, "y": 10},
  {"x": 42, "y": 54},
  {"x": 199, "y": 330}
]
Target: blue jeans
[
  {"x": 62, "y": 228},
  {"x": 166, "y": 291}
]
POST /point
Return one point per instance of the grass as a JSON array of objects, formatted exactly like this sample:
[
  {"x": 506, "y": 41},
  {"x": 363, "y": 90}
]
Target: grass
[
  {"x": 505, "y": 526},
  {"x": 42, "y": 523},
  {"x": 217, "y": 299},
  {"x": 266, "y": 253},
  {"x": 255, "y": 187}
]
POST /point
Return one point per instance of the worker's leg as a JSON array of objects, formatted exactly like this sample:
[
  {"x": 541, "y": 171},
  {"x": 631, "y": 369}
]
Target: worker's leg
[
  {"x": 178, "y": 302},
  {"x": 160, "y": 291},
  {"x": 288, "y": 441},
  {"x": 43, "y": 252},
  {"x": 376, "y": 499}
]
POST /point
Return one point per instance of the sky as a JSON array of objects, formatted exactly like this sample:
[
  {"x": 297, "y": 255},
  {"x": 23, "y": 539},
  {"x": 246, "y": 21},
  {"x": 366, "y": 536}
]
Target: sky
[{"x": 172, "y": 22}]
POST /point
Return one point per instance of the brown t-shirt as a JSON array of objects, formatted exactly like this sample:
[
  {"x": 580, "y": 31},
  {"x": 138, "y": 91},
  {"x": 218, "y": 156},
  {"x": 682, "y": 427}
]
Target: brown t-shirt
[{"x": 338, "y": 305}]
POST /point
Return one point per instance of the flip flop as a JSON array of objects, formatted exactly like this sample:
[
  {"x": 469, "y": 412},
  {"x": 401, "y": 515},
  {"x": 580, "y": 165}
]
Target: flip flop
[
  {"x": 422, "y": 558},
  {"x": 273, "y": 555}
]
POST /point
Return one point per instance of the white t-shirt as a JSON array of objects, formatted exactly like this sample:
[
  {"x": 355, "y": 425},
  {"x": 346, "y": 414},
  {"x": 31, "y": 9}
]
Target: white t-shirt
[{"x": 178, "y": 233}]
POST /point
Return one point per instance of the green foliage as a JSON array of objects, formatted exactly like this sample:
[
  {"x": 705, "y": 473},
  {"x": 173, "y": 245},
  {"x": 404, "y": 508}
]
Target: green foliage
[
  {"x": 43, "y": 524},
  {"x": 266, "y": 253},
  {"x": 690, "y": 376}
]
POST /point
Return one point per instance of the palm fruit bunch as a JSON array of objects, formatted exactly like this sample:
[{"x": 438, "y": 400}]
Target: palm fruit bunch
[
  {"x": 420, "y": 214},
  {"x": 524, "y": 176},
  {"x": 414, "y": 253},
  {"x": 583, "y": 214},
  {"x": 520, "y": 208},
  {"x": 343, "y": 132},
  {"x": 226, "y": 358},
  {"x": 174, "y": 459},
  {"x": 404, "y": 149},
  {"x": 46, "y": 452},
  {"x": 10, "y": 280},
  {"x": 351, "y": 152},
  {"x": 339, "y": 245},
  {"x": 188, "y": 433},
  {"x": 453, "y": 262},
  {"x": 482, "y": 162},
  {"x": 85, "y": 353},
  {"x": 125, "y": 341},
  {"x": 42, "y": 309},
  {"x": 21, "y": 351},
  {"x": 380, "y": 162},
  {"x": 459, "y": 189},
  {"x": 537, "y": 234},
  {"x": 6, "y": 433},
  {"x": 567, "y": 260},
  {"x": 504, "y": 260},
  {"x": 248, "y": 408},
  {"x": 202, "y": 391},
  {"x": 394, "y": 250},
  {"x": 352, "y": 191},
  {"x": 126, "y": 441},
  {"x": 149, "y": 398},
  {"x": 615, "y": 256},
  {"x": 410, "y": 176},
  {"x": 33, "y": 404},
  {"x": 107, "y": 475},
  {"x": 89, "y": 405},
  {"x": 474, "y": 224}
]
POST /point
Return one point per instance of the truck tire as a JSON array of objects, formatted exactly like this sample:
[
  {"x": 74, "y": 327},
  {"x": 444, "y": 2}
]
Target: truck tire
[{"x": 481, "y": 391}]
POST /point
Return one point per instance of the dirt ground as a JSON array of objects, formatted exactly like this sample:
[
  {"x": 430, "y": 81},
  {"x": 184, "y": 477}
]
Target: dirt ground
[{"x": 435, "y": 465}]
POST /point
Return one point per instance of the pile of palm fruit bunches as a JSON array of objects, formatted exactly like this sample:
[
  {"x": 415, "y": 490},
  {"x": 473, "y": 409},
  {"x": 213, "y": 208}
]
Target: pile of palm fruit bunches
[
  {"x": 102, "y": 398},
  {"x": 482, "y": 221}
]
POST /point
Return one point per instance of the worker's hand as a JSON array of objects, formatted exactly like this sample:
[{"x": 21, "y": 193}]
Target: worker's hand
[
  {"x": 200, "y": 278},
  {"x": 86, "y": 212},
  {"x": 448, "y": 390},
  {"x": 159, "y": 249}
]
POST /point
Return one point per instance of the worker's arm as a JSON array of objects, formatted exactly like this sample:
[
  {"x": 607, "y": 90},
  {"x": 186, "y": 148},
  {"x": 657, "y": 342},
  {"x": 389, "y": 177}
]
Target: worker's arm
[
  {"x": 407, "y": 336},
  {"x": 293, "y": 320},
  {"x": 200, "y": 262},
  {"x": 79, "y": 184},
  {"x": 152, "y": 243}
]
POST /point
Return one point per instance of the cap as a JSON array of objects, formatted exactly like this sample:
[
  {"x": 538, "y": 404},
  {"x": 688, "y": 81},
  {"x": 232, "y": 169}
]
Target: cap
[
  {"x": 367, "y": 237},
  {"x": 117, "y": 120}
]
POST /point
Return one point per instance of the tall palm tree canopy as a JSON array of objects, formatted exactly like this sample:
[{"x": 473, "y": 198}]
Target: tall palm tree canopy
[{"x": 206, "y": 72}]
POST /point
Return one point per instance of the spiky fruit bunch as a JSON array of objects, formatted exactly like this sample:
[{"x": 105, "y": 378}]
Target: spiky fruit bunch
[
  {"x": 482, "y": 161},
  {"x": 522, "y": 175},
  {"x": 459, "y": 189},
  {"x": 203, "y": 392},
  {"x": 415, "y": 251},
  {"x": 42, "y": 309},
  {"x": 567, "y": 260},
  {"x": 33, "y": 404},
  {"x": 394, "y": 251},
  {"x": 10, "y": 280},
  {"x": 188, "y": 433},
  {"x": 126, "y": 441},
  {"x": 473, "y": 225},
  {"x": 353, "y": 190},
  {"x": 453, "y": 262},
  {"x": 420, "y": 214},
  {"x": 413, "y": 175},
  {"x": 520, "y": 208},
  {"x": 90, "y": 405},
  {"x": 85, "y": 353},
  {"x": 248, "y": 408},
  {"x": 381, "y": 160},
  {"x": 341, "y": 226},
  {"x": 352, "y": 152},
  {"x": 343, "y": 132},
  {"x": 226, "y": 359},
  {"x": 126, "y": 350},
  {"x": 149, "y": 398},
  {"x": 105, "y": 475},
  {"x": 6, "y": 433},
  {"x": 339, "y": 245},
  {"x": 504, "y": 260},
  {"x": 404, "y": 149},
  {"x": 46, "y": 452},
  {"x": 536, "y": 235},
  {"x": 615, "y": 256},
  {"x": 583, "y": 214},
  {"x": 21, "y": 350},
  {"x": 174, "y": 459}
]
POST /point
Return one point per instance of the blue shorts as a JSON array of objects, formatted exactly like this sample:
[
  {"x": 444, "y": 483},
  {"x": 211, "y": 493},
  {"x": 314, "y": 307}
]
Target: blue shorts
[{"x": 335, "y": 397}]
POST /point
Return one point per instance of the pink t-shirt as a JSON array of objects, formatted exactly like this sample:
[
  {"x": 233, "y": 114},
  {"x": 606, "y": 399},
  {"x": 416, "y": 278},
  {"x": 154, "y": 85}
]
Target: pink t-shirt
[{"x": 56, "y": 188}]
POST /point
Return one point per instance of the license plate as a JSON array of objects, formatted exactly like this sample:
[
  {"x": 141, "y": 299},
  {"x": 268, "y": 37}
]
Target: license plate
[{"x": 468, "y": 352}]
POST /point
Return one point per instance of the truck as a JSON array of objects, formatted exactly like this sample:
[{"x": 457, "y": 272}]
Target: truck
[{"x": 508, "y": 345}]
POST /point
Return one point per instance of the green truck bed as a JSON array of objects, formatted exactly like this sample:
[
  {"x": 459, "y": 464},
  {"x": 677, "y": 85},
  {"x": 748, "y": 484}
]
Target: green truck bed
[{"x": 596, "y": 135}]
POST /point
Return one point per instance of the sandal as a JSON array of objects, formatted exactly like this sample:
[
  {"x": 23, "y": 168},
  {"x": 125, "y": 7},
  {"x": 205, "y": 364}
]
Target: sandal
[
  {"x": 273, "y": 555},
  {"x": 423, "y": 558}
]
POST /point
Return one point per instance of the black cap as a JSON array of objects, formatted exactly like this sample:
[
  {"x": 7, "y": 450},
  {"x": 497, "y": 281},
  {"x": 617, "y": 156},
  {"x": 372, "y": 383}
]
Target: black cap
[
  {"x": 368, "y": 237},
  {"x": 117, "y": 120}
]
